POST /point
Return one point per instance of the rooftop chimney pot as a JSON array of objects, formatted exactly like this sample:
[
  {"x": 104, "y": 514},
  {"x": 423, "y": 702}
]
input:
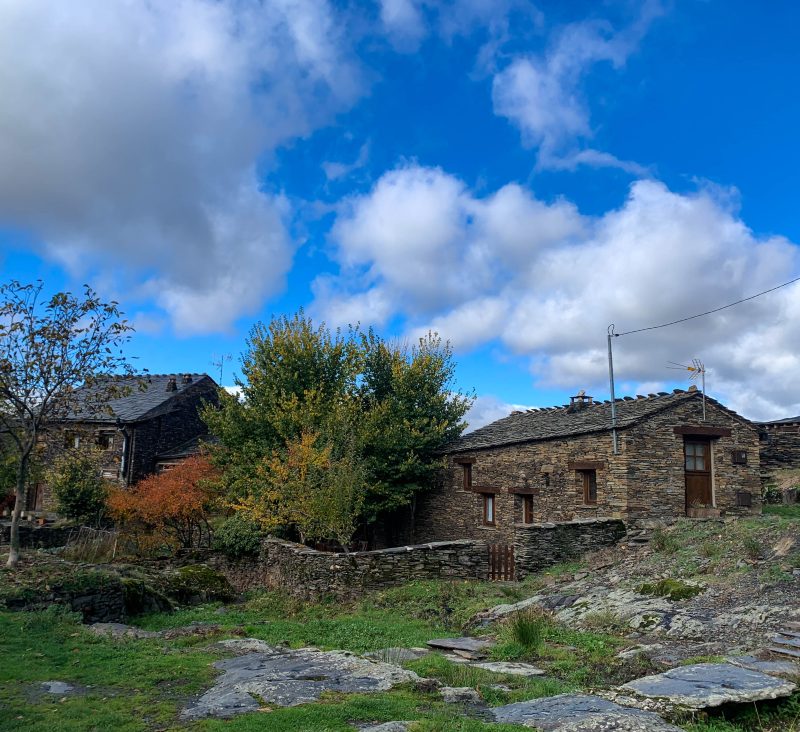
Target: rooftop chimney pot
[{"x": 172, "y": 384}]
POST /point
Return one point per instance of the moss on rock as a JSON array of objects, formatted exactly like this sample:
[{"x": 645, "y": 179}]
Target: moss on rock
[{"x": 671, "y": 589}]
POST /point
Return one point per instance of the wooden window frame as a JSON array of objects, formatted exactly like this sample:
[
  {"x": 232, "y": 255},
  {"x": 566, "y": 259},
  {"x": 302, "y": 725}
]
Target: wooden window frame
[
  {"x": 586, "y": 479},
  {"x": 739, "y": 457},
  {"x": 467, "y": 484},
  {"x": 488, "y": 500},
  {"x": 527, "y": 509},
  {"x": 105, "y": 439}
]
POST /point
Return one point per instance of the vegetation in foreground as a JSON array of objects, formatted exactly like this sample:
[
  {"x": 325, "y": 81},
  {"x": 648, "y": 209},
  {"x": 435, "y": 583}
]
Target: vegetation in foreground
[{"x": 143, "y": 684}]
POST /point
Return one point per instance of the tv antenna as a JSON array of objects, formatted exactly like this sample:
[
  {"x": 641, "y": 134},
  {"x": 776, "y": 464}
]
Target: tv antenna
[
  {"x": 218, "y": 361},
  {"x": 697, "y": 371}
]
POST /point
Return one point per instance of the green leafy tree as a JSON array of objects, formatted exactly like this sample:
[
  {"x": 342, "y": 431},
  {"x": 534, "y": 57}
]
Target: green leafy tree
[
  {"x": 411, "y": 410},
  {"x": 50, "y": 349},
  {"x": 333, "y": 428},
  {"x": 79, "y": 488}
]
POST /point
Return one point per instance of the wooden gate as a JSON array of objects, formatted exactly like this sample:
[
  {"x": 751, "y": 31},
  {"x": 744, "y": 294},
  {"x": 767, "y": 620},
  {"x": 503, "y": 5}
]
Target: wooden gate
[{"x": 501, "y": 562}]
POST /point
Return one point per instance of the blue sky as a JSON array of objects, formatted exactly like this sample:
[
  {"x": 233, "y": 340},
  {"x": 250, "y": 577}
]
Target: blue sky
[{"x": 514, "y": 175}]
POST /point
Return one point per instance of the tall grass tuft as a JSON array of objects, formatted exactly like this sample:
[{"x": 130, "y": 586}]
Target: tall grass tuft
[{"x": 528, "y": 628}]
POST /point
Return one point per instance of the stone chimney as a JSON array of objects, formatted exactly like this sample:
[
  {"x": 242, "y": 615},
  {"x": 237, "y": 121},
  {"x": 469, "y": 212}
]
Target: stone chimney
[
  {"x": 579, "y": 401},
  {"x": 172, "y": 384},
  {"x": 187, "y": 379}
]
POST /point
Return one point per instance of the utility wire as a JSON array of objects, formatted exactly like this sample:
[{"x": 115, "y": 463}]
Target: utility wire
[{"x": 708, "y": 312}]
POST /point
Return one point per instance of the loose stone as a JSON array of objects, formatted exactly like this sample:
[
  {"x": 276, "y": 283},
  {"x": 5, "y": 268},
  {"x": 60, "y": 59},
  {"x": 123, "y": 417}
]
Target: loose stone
[
  {"x": 580, "y": 713},
  {"x": 704, "y": 685}
]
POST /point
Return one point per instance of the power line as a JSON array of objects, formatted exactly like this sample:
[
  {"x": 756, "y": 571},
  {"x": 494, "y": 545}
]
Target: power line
[{"x": 708, "y": 312}]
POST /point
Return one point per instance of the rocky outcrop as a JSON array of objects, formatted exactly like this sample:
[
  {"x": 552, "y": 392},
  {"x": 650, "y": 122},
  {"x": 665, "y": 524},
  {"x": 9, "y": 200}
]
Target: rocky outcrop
[{"x": 287, "y": 677}]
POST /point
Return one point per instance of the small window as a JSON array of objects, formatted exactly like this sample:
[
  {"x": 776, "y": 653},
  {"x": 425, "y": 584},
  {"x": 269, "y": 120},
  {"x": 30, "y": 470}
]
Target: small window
[
  {"x": 488, "y": 509},
  {"x": 589, "y": 478},
  {"x": 105, "y": 440},
  {"x": 744, "y": 499},
  {"x": 467, "y": 475},
  {"x": 72, "y": 439},
  {"x": 527, "y": 509},
  {"x": 547, "y": 479},
  {"x": 739, "y": 457}
]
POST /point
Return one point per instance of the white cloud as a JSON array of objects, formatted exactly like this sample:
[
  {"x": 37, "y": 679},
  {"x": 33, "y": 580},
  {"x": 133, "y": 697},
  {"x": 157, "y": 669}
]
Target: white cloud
[
  {"x": 541, "y": 94},
  {"x": 422, "y": 239},
  {"x": 130, "y": 131},
  {"x": 486, "y": 409},
  {"x": 544, "y": 281}
]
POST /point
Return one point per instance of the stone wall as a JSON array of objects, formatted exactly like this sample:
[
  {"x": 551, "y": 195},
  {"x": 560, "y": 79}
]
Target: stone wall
[
  {"x": 36, "y": 537},
  {"x": 309, "y": 574},
  {"x": 644, "y": 483},
  {"x": 780, "y": 447},
  {"x": 537, "y": 546},
  {"x": 540, "y": 468},
  {"x": 654, "y": 460}
]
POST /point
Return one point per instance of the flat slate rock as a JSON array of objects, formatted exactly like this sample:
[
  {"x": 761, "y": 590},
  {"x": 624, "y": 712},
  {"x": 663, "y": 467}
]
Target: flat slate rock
[
  {"x": 287, "y": 677},
  {"x": 512, "y": 668},
  {"x": 470, "y": 645},
  {"x": 460, "y": 695},
  {"x": 387, "y": 727},
  {"x": 704, "y": 685},
  {"x": 59, "y": 688},
  {"x": 398, "y": 655},
  {"x": 580, "y": 713},
  {"x": 771, "y": 668},
  {"x": 120, "y": 630}
]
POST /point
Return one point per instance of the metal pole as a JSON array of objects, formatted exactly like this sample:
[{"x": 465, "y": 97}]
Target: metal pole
[
  {"x": 703, "y": 372},
  {"x": 611, "y": 382}
]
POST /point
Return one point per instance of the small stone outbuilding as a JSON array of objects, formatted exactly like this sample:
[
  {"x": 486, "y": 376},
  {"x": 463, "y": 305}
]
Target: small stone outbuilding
[{"x": 558, "y": 464}]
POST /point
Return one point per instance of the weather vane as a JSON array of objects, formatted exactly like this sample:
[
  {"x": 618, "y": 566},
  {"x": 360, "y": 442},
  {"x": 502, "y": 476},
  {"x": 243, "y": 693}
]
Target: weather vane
[{"x": 697, "y": 371}]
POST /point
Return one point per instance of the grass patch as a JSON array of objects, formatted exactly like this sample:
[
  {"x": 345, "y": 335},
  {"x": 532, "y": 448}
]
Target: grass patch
[
  {"x": 435, "y": 666},
  {"x": 791, "y": 511}
]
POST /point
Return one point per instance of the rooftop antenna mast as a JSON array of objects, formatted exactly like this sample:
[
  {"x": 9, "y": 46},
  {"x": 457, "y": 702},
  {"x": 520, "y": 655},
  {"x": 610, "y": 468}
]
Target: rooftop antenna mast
[
  {"x": 218, "y": 361},
  {"x": 698, "y": 371}
]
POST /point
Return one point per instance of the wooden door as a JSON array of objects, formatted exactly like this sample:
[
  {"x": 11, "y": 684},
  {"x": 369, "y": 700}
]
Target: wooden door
[{"x": 697, "y": 457}]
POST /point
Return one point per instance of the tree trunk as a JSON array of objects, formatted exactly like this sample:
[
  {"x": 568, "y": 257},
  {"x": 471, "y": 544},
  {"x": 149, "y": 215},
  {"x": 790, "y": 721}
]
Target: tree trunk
[{"x": 22, "y": 475}]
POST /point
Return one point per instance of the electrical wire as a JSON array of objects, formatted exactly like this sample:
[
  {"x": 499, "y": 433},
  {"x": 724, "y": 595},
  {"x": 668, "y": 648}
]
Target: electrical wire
[{"x": 709, "y": 312}]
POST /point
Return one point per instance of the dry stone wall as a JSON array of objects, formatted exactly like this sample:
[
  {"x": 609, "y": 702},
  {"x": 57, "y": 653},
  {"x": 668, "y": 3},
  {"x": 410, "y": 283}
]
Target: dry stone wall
[
  {"x": 537, "y": 546},
  {"x": 780, "y": 447},
  {"x": 308, "y": 573}
]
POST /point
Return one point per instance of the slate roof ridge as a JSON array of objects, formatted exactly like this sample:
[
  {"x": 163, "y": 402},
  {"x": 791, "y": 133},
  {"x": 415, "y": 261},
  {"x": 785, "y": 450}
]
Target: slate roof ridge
[
  {"x": 548, "y": 423},
  {"x": 785, "y": 420},
  {"x": 139, "y": 403}
]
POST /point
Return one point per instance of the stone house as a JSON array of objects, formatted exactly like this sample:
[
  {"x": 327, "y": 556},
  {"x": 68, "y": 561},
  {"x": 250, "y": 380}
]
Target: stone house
[
  {"x": 152, "y": 424},
  {"x": 780, "y": 444},
  {"x": 558, "y": 465}
]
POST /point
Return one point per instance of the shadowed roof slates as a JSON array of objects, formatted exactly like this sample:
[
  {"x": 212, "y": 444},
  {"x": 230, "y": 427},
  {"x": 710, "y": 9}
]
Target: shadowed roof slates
[
  {"x": 553, "y": 423},
  {"x": 142, "y": 395}
]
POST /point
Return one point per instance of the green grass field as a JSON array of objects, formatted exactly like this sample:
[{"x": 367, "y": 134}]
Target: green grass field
[{"x": 143, "y": 684}]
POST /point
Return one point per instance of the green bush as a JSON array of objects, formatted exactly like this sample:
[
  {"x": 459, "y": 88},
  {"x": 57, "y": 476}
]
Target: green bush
[
  {"x": 79, "y": 488},
  {"x": 238, "y": 537}
]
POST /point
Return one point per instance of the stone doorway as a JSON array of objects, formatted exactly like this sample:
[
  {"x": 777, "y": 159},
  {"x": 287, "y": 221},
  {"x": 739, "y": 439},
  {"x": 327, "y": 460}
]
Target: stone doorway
[{"x": 697, "y": 468}]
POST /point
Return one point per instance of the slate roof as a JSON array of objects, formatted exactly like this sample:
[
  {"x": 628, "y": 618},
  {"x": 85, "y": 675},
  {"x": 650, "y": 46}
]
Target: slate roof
[
  {"x": 551, "y": 423},
  {"x": 144, "y": 397},
  {"x": 188, "y": 448},
  {"x": 787, "y": 420}
]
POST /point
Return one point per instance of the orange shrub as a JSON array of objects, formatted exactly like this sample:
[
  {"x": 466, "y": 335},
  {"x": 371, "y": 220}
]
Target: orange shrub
[{"x": 168, "y": 508}]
